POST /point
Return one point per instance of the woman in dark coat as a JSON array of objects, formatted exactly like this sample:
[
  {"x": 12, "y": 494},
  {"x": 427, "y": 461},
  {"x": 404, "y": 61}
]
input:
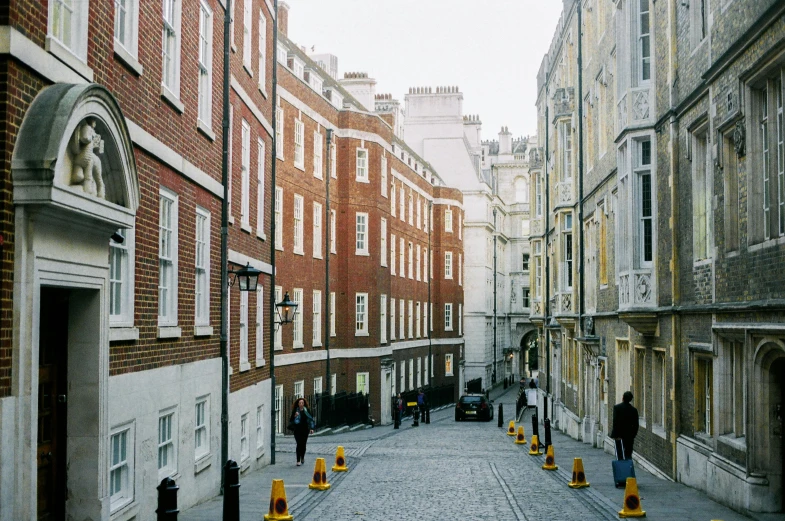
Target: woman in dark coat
[{"x": 302, "y": 424}]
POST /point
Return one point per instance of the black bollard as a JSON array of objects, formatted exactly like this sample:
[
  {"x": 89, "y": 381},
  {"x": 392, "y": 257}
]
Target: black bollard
[
  {"x": 547, "y": 424},
  {"x": 535, "y": 425},
  {"x": 416, "y": 415},
  {"x": 231, "y": 491},
  {"x": 505, "y": 382},
  {"x": 501, "y": 415},
  {"x": 167, "y": 500},
  {"x": 427, "y": 415}
]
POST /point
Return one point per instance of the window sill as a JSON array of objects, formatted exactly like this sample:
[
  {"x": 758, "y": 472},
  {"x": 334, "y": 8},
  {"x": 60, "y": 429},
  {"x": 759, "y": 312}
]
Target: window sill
[
  {"x": 260, "y": 362},
  {"x": 64, "y": 54},
  {"x": 278, "y": 348},
  {"x": 172, "y": 99},
  {"x": 732, "y": 441},
  {"x": 264, "y": 92},
  {"x": 202, "y": 127},
  {"x": 169, "y": 332},
  {"x": 125, "y": 512},
  {"x": 362, "y": 253},
  {"x": 318, "y": 256},
  {"x": 659, "y": 430},
  {"x": 123, "y": 334},
  {"x": 245, "y": 366},
  {"x": 259, "y": 452},
  {"x": 231, "y": 218},
  {"x": 245, "y": 464},
  {"x": 317, "y": 345},
  {"x": 361, "y": 333},
  {"x": 318, "y": 176},
  {"x": 203, "y": 330},
  {"x": 202, "y": 462},
  {"x": 362, "y": 180},
  {"x": 278, "y": 248},
  {"x": 248, "y": 68},
  {"x": 246, "y": 227},
  {"x": 260, "y": 234},
  {"x": 298, "y": 252},
  {"x": 127, "y": 59},
  {"x": 300, "y": 166}
]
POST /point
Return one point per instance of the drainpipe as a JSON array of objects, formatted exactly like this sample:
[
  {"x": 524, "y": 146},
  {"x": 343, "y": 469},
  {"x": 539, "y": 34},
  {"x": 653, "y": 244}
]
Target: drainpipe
[
  {"x": 328, "y": 215},
  {"x": 427, "y": 325},
  {"x": 547, "y": 303},
  {"x": 581, "y": 288},
  {"x": 224, "y": 246},
  {"x": 272, "y": 232},
  {"x": 493, "y": 374}
]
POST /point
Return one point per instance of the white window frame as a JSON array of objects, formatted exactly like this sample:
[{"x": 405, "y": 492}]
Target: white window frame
[
  {"x": 448, "y": 265},
  {"x": 410, "y": 316},
  {"x": 332, "y": 316},
  {"x": 402, "y": 376},
  {"x": 411, "y": 373},
  {"x": 297, "y": 329},
  {"x": 361, "y": 233},
  {"x": 643, "y": 170},
  {"x": 448, "y": 220},
  {"x": 318, "y": 147},
  {"x": 168, "y": 259},
  {"x": 245, "y": 442},
  {"x": 411, "y": 260},
  {"x": 279, "y": 121},
  {"x": 643, "y": 41},
  {"x": 245, "y": 176},
  {"x": 460, "y": 319},
  {"x": 299, "y": 216},
  {"x": 317, "y": 319},
  {"x": 317, "y": 230},
  {"x": 76, "y": 18},
  {"x": 418, "y": 319},
  {"x": 361, "y": 314},
  {"x": 121, "y": 279},
  {"x": 201, "y": 427},
  {"x": 417, "y": 263},
  {"x": 205, "y": 66},
  {"x": 383, "y": 319},
  {"x": 401, "y": 322},
  {"x": 126, "y": 21},
  {"x": 393, "y": 259},
  {"x": 384, "y": 175},
  {"x": 202, "y": 268},
  {"x": 247, "y": 35},
  {"x": 262, "y": 51},
  {"x": 299, "y": 144},
  {"x": 419, "y": 213},
  {"x": 278, "y": 215},
  {"x": 171, "y": 23},
  {"x": 363, "y": 383},
  {"x": 333, "y": 238},
  {"x": 333, "y": 161},
  {"x": 392, "y": 319},
  {"x": 260, "y": 318},
  {"x": 411, "y": 208},
  {"x": 261, "y": 155},
  {"x": 278, "y": 340},
  {"x": 123, "y": 465},
  {"x": 243, "y": 325},
  {"x": 361, "y": 165},
  {"x": 448, "y": 365},
  {"x": 402, "y": 204},
  {"x": 383, "y": 243},
  {"x": 419, "y": 372},
  {"x": 448, "y": 316},
  {"x": 260, "y": 430},
  {"x": 393, "y": 201},
  {"x": 318, "y": 387},
  {"x": 459, "y": 269},
  {"x": 167, "y": 442}
]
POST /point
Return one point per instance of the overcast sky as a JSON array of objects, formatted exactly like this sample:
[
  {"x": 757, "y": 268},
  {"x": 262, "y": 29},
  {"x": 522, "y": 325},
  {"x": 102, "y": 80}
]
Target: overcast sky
[{"x": 490, "y": 49}]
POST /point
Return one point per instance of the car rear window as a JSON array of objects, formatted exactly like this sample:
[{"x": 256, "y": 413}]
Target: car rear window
[{"x": 471, "y": 399}]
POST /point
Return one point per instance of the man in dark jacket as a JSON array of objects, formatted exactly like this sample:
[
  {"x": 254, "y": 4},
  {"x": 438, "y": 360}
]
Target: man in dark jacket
[{"x": 625, "y": 423}]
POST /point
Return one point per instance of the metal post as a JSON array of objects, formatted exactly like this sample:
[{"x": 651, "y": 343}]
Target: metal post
[
  {"x": 547, "y": 426},
  {"x": 167, "y": 500},
  {"x": 232, "y": 491},
  {"x": 326, "y": 407},
  {"x": 501, "y": 414},
  {"x": 274, "y": 154},
  {"x": 226, "y": 136}
]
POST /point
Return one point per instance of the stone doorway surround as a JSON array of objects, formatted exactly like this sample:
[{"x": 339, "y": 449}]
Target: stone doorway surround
[{"x": 74, "y": 184}]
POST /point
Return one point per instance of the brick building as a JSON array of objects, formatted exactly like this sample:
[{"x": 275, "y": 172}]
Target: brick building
[
  {"x": 660, "y": 236},
  {"x": 109, "y": 354},
  {"x": 391, "y": 320}
]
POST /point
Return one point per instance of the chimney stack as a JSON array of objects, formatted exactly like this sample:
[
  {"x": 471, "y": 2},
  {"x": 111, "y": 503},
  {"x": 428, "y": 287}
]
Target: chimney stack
[{"x": 283, "y": 18}]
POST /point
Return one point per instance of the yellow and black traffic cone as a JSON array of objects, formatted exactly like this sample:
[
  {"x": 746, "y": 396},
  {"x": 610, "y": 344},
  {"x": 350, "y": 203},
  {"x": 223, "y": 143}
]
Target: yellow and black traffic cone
[
  {"x": 279, "y": 508},
  {"x": 340, "y": 461},
  {"x": 319, "y": 481},
  {"x": 632, "y": 501},
  {"x": 534, "y": 449},
  {"x": 511, "y": 428},
  {"x": 550, "y": 460},
  {"x": 578, "y": 475},
  {"x": 520, "y": 438}
]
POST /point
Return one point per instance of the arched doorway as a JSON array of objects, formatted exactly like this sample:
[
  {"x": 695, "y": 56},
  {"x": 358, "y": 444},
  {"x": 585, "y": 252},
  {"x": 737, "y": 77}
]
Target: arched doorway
[
  {"x": 530, "y": 354},
  {"x": 768, "y": 450}
]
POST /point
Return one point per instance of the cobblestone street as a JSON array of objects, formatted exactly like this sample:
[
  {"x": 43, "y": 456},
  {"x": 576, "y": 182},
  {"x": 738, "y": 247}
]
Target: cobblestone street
[{"x": 451, "y": 470}]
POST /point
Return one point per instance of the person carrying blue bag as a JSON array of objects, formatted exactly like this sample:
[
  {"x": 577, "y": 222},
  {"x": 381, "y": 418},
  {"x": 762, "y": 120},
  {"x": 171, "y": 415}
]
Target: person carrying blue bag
[{"x": 301, "y": 423}]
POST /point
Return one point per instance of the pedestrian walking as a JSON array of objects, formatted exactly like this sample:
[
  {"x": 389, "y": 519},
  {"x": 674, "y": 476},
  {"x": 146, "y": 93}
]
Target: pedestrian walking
[
  {"x": 625, "y": 423},
  {"x": 422, "y": 404},
  {"x": 301, "y": 423},
  {"x": 398, "y": 410}
]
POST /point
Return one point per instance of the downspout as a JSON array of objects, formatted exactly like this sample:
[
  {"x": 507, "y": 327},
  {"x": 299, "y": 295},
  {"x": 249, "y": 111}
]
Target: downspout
[
  {"x": 272, "y": 232},
  {"x": 327, "y": 250},
  {"x": 224, "y": 346},
  {"x": 427, "y": 325},
  {"x": 547, "y": 305},
  {"x": 581, "y": 302},
  {"x": 493, "y": 374}
]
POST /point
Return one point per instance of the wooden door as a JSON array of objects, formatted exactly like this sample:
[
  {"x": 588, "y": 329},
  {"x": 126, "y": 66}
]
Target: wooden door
[{"x": 52, "y": 404}]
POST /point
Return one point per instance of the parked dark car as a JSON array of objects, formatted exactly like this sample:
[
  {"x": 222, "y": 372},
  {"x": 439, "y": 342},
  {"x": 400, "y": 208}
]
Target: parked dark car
[{"x": 473, "y": 406}]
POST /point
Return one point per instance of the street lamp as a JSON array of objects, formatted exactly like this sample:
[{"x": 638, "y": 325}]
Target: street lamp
[
  {"x": 247, "y": 276},
  {"x": 286, "y": 309}
]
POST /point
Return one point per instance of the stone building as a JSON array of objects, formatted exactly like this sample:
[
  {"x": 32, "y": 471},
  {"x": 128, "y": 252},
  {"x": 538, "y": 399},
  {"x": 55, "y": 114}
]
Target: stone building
[{"x": 660, "y": 236}]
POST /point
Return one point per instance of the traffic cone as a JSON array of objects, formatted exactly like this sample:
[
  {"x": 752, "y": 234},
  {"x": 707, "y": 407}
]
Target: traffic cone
[
  {"x": 520, "y": 439},
  {"x": 279, "y": 508},
  {"x": 550, "y": 460},
  {"x": 578, "y": 475},
  {"x": 319, "y": 481},
  {"x": 632, "y": 501},
  {"x": 535, "y": 446},
  {"x": 511, "y": 428},
  {"x": 340, "y": 461}
]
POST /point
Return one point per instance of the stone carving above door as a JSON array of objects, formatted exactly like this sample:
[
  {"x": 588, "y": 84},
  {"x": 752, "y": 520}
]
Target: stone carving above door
[{"x": 86, "y": 168}]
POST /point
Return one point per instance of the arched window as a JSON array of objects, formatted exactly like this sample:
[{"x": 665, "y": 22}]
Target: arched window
[{"x": 521, "y": 190}]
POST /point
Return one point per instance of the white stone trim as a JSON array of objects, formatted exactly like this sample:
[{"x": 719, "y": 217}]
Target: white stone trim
[
  {"x": 127, "y": 58},
  {"x": 241, "y": 259},
  {"x": 69, "y": 58},
  {"x": 248, "y": 101},
  {"x": 21, "y": 48},
  {"x": 172, "y": 99},
  {"x": 118, "y": 334},
  {"x": 448, "y": 202},
  {"x": 203, "y": 330}
]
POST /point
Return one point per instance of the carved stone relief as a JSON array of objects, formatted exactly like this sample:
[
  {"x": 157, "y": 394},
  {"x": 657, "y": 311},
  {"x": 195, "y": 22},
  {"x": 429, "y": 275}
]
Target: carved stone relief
[
  {"x": 739, "y": 139},
  {"x": 86, "y": 167}
]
